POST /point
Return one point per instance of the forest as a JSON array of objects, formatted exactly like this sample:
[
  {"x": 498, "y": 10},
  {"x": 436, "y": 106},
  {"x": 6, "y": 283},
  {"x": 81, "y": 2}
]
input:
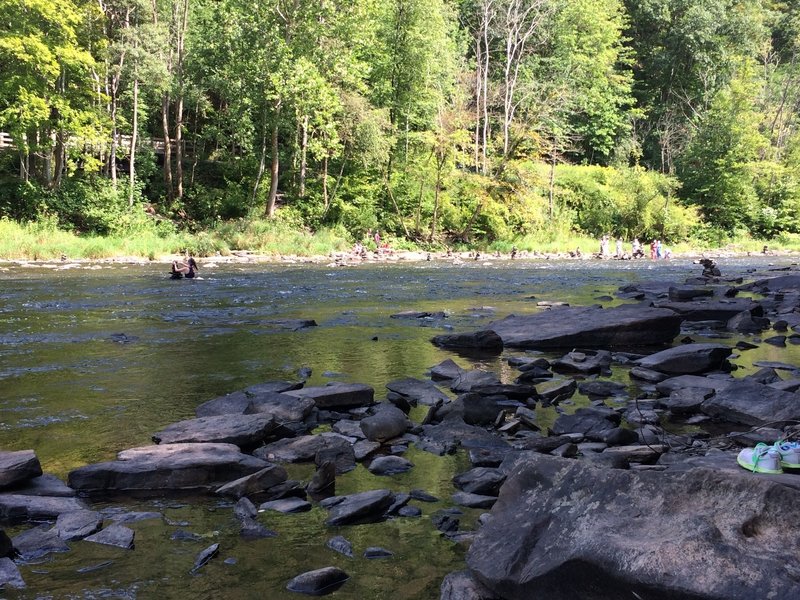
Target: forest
[{"x": 436, "y": 122}]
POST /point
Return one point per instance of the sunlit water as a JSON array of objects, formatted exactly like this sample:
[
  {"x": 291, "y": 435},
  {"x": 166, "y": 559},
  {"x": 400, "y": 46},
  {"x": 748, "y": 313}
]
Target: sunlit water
[{"x": 93, "y": 361}]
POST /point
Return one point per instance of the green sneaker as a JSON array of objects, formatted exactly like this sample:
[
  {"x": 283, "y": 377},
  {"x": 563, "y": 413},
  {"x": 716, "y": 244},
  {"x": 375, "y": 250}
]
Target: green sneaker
[{"x": 761, "y": 459}]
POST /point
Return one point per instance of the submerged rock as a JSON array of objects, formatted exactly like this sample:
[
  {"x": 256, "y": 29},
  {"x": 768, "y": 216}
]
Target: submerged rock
[
  {"x": 114, "y": 535},
  {"x": 10, "y": 577},
  {"x": 78, "y": 524},
  {"x": 365, "y": 507},
  {"x": 318, "y": 582}
]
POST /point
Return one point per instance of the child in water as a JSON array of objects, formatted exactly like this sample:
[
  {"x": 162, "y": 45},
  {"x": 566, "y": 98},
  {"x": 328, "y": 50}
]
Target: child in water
[{"x": 186, "y": 269}]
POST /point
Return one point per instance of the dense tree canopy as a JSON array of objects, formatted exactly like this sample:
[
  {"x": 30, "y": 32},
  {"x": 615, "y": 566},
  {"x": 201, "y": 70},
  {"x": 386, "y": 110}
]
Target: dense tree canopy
[{"x": 433, "y": 119}]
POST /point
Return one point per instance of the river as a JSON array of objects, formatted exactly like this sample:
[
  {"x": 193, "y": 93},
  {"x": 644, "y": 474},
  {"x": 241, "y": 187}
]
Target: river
[{"x": 96, "y": 358}]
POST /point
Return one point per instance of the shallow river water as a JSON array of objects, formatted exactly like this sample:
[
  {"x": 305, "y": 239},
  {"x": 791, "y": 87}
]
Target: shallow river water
[{"x": 96, "y": 359}]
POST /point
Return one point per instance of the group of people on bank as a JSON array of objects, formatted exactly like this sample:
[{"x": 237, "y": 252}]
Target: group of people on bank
[{"x": 657, "y": 249}]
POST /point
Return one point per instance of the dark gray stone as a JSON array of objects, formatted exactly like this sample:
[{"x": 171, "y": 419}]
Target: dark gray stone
[
  {"x": 341, "y": 545},
  {"x": 337, "y": 450},
  {"x": 291, "y": 450},
  {"x": 113, "y": 535},
  {"x": 589, "y": 327},
  {"x": 167, "y": 467},
  {"x": 687, "y": 359},
  {"x": 686, "y": 401},
  {"x": 474, "y": 378},
  {"x": 243, "y": 430},
  {"x": 752, "y": 403},
  {"x": 387, "y": 423},
  {"x": 589, "y": 421},
  {"x": 486, "y": 341},
  {"x": 364, "y": 448},
  {"x": 37, "y": 542},
  {"x": 647, "y": 375},
  {"x": 446, "y": 370},
  {"x": 374, "y": 552},
  {"x": 78, "y": 524},
  {"x": 323, "y": 481},
  {"x": 672, "y": 384},
  {"x": 318, "y": 582},
  {"x": 473, "y": 500},
  {"x": 480, "y": 410},
  {"x": 19, "y": 507},
  {"x": 254, "y": 483},
  {"x": 460, "y": 585},
  {"x": 390, "y": 465},
  {"x": 565, "y": 510},
  {"x": 364, "y": 507},
  {"x": 712, "y": 310},
  {"x": 286, "y": 505},
  {"x": 202, "y": 559},
  {"x": 417, "y": 391},
  {"x": 587, "y": 362},
  {"x": 244, "y": 509},
  {"x": 480, "y": 480},
  {"x": 337, "y": 395},
  {"x": 554, "y": 392},
  {"x": 253, "y": 530},
  {"x": 18, "y": 467},
  {"x": 686, "y": 293},
  {"x": 6, "y": 547},
  {"x": 602, "y": 389},
  {"x": 281, "y": 407},
  {"x": 10, "y": 577}
]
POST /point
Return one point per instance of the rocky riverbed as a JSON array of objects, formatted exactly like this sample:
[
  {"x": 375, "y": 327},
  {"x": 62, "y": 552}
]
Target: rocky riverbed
[{"x": 635, "y": 494}]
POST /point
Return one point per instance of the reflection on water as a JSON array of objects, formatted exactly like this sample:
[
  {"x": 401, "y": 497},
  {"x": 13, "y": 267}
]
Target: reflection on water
[{"x": 95, "y": 361}]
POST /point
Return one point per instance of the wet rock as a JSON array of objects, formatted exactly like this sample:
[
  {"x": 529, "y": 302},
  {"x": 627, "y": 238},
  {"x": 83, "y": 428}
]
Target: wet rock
[
  {"x": 587, "y": 362},
  {"x": 349, "y": 428},
  {"x": 10, "y": 577},
  {"x": 113, "y": 535},
  {"x": 286, "y": 505},
  {"x": 409, "y": 512},
  {"x": 765, "y": 375},
  {"x": 254, "y": 483},
  {"x": 556, "y": 391},
  {"x": 487, "y": 341},
  {"x": 6, "y": 547},
  {"x": 473, "y": 500},
  {"x": 135, "y": 516},
  {"x": 446, "y": 521},
  {"x": 480, "y": 480},
  {"x": 78, "y": 524},
  {"x": 318, "y": 582},
  {"x": 475, "y": 378},
  {"x": 288, "y": 489},
  {"x": 289, "y": 324},
  {"x": 462, "y": 586},
  {"x": 281, "y": 407},
  {"x": 589, "y": 421},
  {"x": 37, "y": 542},
  {"x": 390, "y": 465},
  {"x": 374, "y": 552},
  {"x": 509, "y": 391},
  {"x": 244, "y": 509},
  {"x": 589, "y": 327},
  {"x": 251, "y": 529},
  {"x": 745, "y": 322},
  {"x": 204, "y": 558},
  {"x": 480, "y": 410},
  {"x": 19, "y": 507},
  {"x": 446, "y": 370},
  {"x": 700, "y": 543},
  {"x": 752, "y": 403},
  {"x": 323, "y": 483},
  {"x": 534, "y": 375},
  {"x": 686, "y": 293},
  {"x": 337, "y": 450},
  {"x": 453, "y": 433},
  {"x": 647, "y": 375},
  {"x": 337, "y": 395},
  {"x": 364, "y": 507},
  {"x": 422, "y": 496},
  {"x": 417, "y": 391},
  {"x": 602, "y": 389},
  {"x": 364, "y": 448},
  {"x": 167, "y": 467},
  {"x": 638, "y": 454},
  {"x": 415, "y": 314},
  {"x": 246, "y": 431},
  {"x": 776, "y": 340},
  {"x": 387, "y": 423},
  {"x": 181, "y": 535},
  {"x": 672, "y": 384},
  {"x": 17, "y": 467},
  {"x": 44, "y": 485},
  {"x": 341, "y": 545},
  {"x": 291, "y": 450},
  {"x": 716, "y": 310},
  {"x": 686, "y": 401},
  {"x": 687, "y": 359}
]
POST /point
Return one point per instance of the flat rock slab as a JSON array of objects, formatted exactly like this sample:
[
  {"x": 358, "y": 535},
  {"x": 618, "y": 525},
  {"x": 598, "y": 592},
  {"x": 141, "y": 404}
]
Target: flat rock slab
[
  {"x": 337, "y": 395},
  {"x": 365, "y": 507},
  {"x": 445, "y": 370},
  {"x": 254, "y": 483},
  {"x": 589, "y": 327},
  {"x": 292, "y": 450},
  {"x": 569, "y": 530},
  {"x": 667, "y": 386},
  {"x": 238, "y": 402},
  {"x": 417, "y": 391},
  {"x": 390, "y": 465},
  {"x": 10, "y": 577},
  {"x": 45, "y": 485},
  {"x": 19, "y": 507},
  {"x": 17, "y": 467},
  {"x": 78, "y": 524},
  {"x": 752, "y": 403},
  {"x": 37, "y": 542},
  {"x": 687, "y": 359},
  {"x": 286, "y": 505},
  {"x": 243, "y": 430},
  {"x": 473, "y": 500},
  {"x": 167, "y": 467},
  {"x": 711, "y": 310},
  {"x": 113, "y": 535},
  {"x": 387, "y": 423}
]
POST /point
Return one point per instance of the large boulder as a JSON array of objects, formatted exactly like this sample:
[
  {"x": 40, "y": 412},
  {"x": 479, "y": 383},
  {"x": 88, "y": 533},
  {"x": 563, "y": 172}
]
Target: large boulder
[
  {"x": 365, "y": 507},
  {"x": 177, "y": 467},
  {"x": 589, "y": 327},
  {"x": 752, "y": 403},
  {"x": 17, "y": 467},
  {"x": 337, "y": 395},
  {"x": 712, "y": 310},
  {"x": 21, "y": 507},
  {"x": 255, "y": 483},
  {"x": 687, "y": 359},
  {"x": 78, "y": 524},
  {"x": 291, "y": 450},
  {"x": 263, "y": 394},
  {"x": 388, "y": 422},
  {"x": 245, "y": 431},
  {"x": 485, "y": 341},
  {"x": 569, "y": 530}
]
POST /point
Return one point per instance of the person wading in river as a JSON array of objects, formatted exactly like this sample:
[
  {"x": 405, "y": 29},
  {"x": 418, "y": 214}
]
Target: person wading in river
[{"x": 186, "y": 269}]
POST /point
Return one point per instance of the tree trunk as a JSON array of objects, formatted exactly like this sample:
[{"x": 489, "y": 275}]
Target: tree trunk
[
  {"x": 134, "y": 135},
  {"x": 274, "y": 170},
  {"x": 303, "y": 156},
  {"x": 325, "y": 183},
  {"x": 181, "y": 43},
  {"x": 551, "y": 190},
  {"x": 262, "y": 164}
]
